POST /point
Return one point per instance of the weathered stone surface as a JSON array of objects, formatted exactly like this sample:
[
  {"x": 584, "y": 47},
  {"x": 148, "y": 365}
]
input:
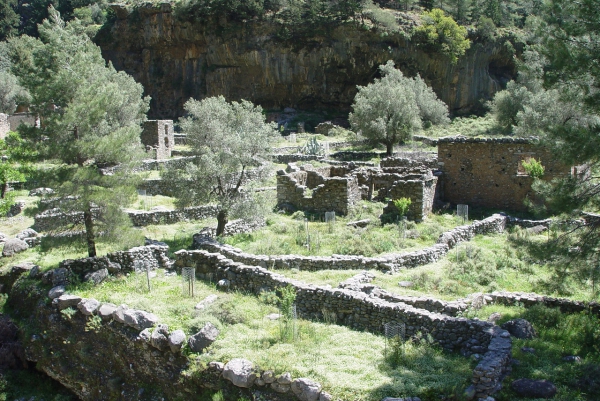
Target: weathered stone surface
[
  {"x": 58, "y": 291},
  {"x": 218, "y": 366},
  {"x": 306, "y": 389},
  {"x": 206, "y": 302},
  {"x": 325, "y": 396},
  {"x": 176, "y": 340},
  {"x": 160, "y": 337},
  {"x": 268, "y": 376},
  {"x": 204, "y": 338},
  {"x": 139, "y": 319},
  {"x": 144, "y": 336},
  {"x": 88, "y": 306},
  {"x": 14, "y": 246},
  {"x": 534, "y": 388},
  {"x": 106, "y": 310},
  {"x": 119, "y": 313},
  {"x": 15, "y": 209},
  {"x": 240, "y": 372},
  {"x": 520, "y": 328},
  {"x": 66, "y": 300},
  {"x": 27, "y": 233},
  {"x": 41, "y": 192},
  {"x": 280, "y": 388},
  {"x": 97, "y": 277},
  {"x": 285, "y": 378}
]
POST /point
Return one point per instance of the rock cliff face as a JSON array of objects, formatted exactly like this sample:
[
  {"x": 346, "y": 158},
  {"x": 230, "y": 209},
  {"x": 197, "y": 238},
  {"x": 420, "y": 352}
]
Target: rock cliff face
[{"x": 176, "y": 60}]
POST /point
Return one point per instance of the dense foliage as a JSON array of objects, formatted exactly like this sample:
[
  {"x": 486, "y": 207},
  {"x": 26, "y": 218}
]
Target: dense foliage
[
  {"x": 390, "y": 109},
  {"x": 92, "y": 116},
  {"x": 230, "y": 141}
]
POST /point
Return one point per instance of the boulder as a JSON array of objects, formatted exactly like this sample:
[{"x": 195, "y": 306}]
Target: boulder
[
  {"x": 58, "y": 291},
  {"x": 306, "y": 389},
  {"x": 27, "y": 233},
  {"x": 325, "y": 396},
  {"x": 206, "y": 301},
  {"x": 88, "y": 306},
  {"x": 119, "y": 313},
  {"x": 3, "y": 237},
  {"x": 520, "y": 328},
  {"x": 176, "y": 340},
  {"x": 144, "y": 336},
  {"x": 96, "y": 277},
  {"x": 41, "y": 192},
  {"x": 240, "y": 372},
  {"x": 15, "y": 209},
  {"x": 280, "y": 388},
  {"x": 268, "y": 376},
  {"x": 223, "y": 284},
  {"x": 14, "y": 246},
  {"x": 105, "y": 311},
  {"x": 139, "y": 319},
  {"x": 285, "y": 378},
  {"x": 204, "y": 338},
  {"x": 534, "y": 388},
  {"x": 160, "y": 337},
  {"x": 359, "y": 223},
  {"x": 66, "y": 300}
]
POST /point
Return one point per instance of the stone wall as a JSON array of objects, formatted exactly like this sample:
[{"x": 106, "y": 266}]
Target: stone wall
[
  {"x": 390, "y": 262},
  {"x": 420, "y": 192},
  {"x": 23, "y": 118},
  {"x": 54, "y": 219},
  {"x": 4, "y": 125},
  {"x": 428, "y": 160},
  {"x": 489, "y": 173},
  {"x": 284, "y": 158},
  {"x": 159, "y": 136},
  {"x": 329, "y": 192}
]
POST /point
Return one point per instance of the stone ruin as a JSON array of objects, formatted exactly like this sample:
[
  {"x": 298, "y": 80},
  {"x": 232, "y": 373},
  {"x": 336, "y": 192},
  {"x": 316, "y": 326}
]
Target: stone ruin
[
  {"x": 158, "y": 136},
  {"x": 338, "y": 188},
  {"x": 11, "y": 122},
  {"x": 489, "y": 172}
]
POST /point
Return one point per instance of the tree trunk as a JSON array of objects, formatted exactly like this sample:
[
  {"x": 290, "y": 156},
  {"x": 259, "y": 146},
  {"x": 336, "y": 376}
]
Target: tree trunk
[
  {"x": 389, "y": 149},
  {"x": 89, "y": 233},
  {"x": 221, "y": 222},
  {"x": 3, "y": 190}
]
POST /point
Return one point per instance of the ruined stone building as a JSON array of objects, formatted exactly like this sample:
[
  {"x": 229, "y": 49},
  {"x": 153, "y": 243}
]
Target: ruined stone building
[
  {"x": 158, "y": 136},
  {"x": 489, "y": 172}
]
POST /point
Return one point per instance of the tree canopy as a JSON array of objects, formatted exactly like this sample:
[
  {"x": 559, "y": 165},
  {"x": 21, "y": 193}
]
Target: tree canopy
[
  {"x": 390, "y": 109},
  {"x": 230, "y": 142},
  {"x": 444, "y": 34},
  {"x": 91, "y": 119}
]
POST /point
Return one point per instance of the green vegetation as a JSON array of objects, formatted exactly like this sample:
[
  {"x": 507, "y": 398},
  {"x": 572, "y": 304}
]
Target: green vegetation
[
  {"x": 228, "y": 140},
  {"x": 443, "y": 34},
  {"x": 559, "y": 335},
  {"x": 288, "y": 235},
  {"x": 349, "y": 364},
  {"x": 92, "y": 116},
  {"x": 402, "y": 205},
  {"x": 390, "y": 109},
  {"x": 533, "y": 168}
]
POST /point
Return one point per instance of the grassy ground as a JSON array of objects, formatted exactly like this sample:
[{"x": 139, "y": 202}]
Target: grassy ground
[
  {"x": 288, "y": 234},
  {"x": 559, "y": 335},
  {"x": 485, "y": 264},
  {"x": 351, "y": 365}
]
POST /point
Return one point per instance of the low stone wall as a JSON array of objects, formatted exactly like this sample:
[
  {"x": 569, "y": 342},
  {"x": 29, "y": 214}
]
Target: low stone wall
[
  {"x": 363, "y": 312},
  {"x": 351, "y": 308},
  {"x": 391, "y": 262},
  {"x": 143, "y": 218},
  {"x": 120, "y": 262},
  {"x": 285, "y": 158},
  {"x": 54, "y": 219},
  {"x": 427, "y": 160},
  {"x": 531, "y": 299}
]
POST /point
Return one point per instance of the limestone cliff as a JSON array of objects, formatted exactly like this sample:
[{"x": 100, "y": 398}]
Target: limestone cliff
[{"x": 176, "y": 60}]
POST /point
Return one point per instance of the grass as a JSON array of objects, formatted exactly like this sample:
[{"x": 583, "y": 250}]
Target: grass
[
  {"x": 466, "y": 126},
  {"x": 288, "y": 234},
  {"x": 349, "y": 364},
  {"x": 485, "y": 264},
  {"x": 559, "y": 335}
]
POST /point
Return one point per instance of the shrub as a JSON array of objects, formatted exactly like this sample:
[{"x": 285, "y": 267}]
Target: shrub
[
  {"x": 402, "y": 205},
  {"x": 533, "y": 167},
  {"x": 444, "y": 34}
]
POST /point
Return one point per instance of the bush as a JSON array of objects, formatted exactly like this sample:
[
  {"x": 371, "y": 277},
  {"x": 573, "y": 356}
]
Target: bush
[
  {"x": 444, "y": 34},
  {"x": 402, "y": 205}
]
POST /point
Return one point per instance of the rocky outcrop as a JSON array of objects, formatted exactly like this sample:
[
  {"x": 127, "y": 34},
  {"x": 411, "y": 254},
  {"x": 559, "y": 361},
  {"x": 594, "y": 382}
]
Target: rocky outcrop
[{"x": 176, "y": 60}]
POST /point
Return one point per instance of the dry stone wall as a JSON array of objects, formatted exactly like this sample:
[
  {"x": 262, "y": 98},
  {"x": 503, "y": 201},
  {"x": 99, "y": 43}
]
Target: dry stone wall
[
  {"x": 54, "y": 219},
  {"x": 330, "y": 193},
  {"x": 489, "y": 172},
  {"x": 363, "y": 312},
  {"x": 391, "y": 262},
  {"x": 158, "y": 135}
]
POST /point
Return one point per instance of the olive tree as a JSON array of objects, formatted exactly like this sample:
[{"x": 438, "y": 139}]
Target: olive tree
[
  {"x": 390, "y": 109},
  {"x": 230, "y": 142}
]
